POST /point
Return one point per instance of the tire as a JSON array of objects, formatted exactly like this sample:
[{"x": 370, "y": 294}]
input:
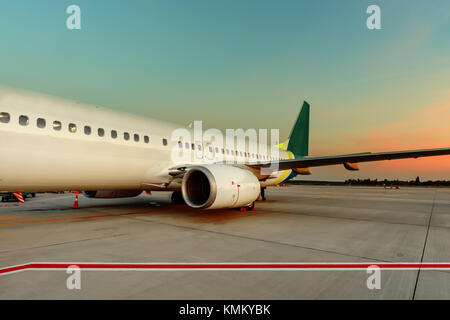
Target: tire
[
  {"x": 247, "y": 208},
  {"x": 250, "y": 207}
]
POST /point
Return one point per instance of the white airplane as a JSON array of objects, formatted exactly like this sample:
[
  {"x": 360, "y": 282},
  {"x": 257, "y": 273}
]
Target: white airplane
[{"x": 48, "y": 143}]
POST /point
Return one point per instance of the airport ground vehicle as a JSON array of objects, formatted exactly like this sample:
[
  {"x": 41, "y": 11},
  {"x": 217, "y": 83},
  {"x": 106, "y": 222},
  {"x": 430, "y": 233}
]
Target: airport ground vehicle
[{"x": 10, "y": 196}]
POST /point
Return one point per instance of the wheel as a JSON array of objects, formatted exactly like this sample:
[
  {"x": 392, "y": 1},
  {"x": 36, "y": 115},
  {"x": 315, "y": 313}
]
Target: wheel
[
  {"x": 33, "y": 194},
  {"x": 249, "y": 207},
  {"x": 3, "y": 199},
  {"x": 177, "y": 198}
]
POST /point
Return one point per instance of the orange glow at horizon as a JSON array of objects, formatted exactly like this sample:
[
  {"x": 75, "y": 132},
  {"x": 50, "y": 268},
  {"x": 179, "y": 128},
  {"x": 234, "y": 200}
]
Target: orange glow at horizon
[{"x": 426, "y": 128}]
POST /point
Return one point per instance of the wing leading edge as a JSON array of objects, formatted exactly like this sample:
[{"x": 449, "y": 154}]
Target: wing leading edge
[{"x": 307, "y": 162}]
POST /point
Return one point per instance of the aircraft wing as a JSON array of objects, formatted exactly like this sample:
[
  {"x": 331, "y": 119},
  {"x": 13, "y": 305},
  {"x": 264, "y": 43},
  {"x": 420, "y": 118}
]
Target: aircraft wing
[{"x": 307, "y": 162}]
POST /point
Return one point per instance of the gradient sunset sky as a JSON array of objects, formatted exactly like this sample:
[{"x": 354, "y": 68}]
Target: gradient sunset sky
[{"x": 250, "y": 64}]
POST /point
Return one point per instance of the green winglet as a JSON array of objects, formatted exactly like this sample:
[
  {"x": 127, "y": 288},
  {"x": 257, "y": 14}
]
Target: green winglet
[{"x": 299, "y": 138}]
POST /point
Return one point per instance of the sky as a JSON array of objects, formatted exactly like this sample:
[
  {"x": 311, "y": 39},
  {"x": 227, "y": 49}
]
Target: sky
[{"x": 250, "y": 64}]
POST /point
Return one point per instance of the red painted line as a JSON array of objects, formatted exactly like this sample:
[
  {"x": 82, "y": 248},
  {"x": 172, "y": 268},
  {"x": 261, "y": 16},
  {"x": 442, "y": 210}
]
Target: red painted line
[
  {"x": 31, "y": 201},
  {"x": 48, "y": 199},
  {"x": 224, "y": 266},
  {"x": 9, "y": 205},
  {"x": 72, "y": 218}
]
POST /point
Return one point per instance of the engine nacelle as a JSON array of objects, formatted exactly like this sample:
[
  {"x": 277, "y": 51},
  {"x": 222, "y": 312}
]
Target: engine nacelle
[
  {"x": 302, "y": 171},
  {"x": 108, "y": 194},
  {"x": 351, "y": 166},
  {"x": 219, "y": 186}
]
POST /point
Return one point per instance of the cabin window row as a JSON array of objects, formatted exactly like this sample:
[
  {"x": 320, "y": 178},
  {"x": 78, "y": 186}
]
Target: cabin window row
[
  {"x": 72, "y": 127},
  {"x": 222, "y": 150}
]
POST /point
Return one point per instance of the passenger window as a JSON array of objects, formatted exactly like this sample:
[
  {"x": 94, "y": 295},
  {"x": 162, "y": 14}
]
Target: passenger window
[
  {"x": 23, "y": 120},
  {"x": 223, "y": 151},
  {"x": 146, "y": 139},
  {"x": 136, "y": 137},
  {"x": 164, "y": 141},
  {"x": 4, "y": 117},
  {"x": 199, "y": 147},
  {"x": 126, "y": 136},
  {"x": 193, "y": 146},
  {"x": 87, "y": 130},
  {"x": 40, "y": 123},
  {"x": 57, "y": 125},
  {"x": 72, "y": 127},
  {"x": 186, "y": 145},
  {"x": 210, "y": 149},
  {"x": 113, "y": 134},
  {"x": 240, "y": 153},
  {"x": 228, "y": 151},
  {"x": 180, "y": 144},
  {"x": 101, "y": 132},
  {"x": 217, "y": 150}
]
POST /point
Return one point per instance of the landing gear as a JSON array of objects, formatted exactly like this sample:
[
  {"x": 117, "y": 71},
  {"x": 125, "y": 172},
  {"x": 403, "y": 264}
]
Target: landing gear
[
  {"x": 177, "y": 198},
  {"x": 248, "y": 208},
  {"x": 263, "y": 196}
]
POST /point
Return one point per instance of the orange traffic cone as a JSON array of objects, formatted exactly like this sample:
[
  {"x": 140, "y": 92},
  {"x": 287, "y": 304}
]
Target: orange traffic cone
[{"x": 75, "y": 204}]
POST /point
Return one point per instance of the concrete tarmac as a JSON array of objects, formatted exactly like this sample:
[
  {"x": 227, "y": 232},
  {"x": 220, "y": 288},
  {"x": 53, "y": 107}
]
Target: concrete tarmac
[{"x": 296, "y": 224}]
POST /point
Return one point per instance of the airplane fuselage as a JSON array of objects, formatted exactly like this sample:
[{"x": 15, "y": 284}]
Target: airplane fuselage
[{"x": 51, "y": 144}]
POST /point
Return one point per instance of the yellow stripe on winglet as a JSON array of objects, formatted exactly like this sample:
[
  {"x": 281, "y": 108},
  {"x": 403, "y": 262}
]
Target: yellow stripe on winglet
[
  {"x": 285, "y": 173},
  {"x": 283, "y": 145}
]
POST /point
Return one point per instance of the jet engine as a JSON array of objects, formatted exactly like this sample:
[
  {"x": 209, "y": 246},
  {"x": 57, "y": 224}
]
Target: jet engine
[
  {"x": 302, "y": 171},
  {"x": 108, "y": 194},
  {"x": 219, "y": 186},
  {"x": 351, "y": 166}
]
